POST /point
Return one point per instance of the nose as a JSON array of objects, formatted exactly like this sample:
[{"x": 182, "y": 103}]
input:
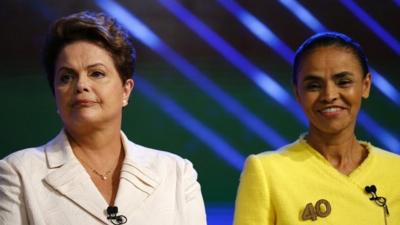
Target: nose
[
  {"x": 329, "y": 93},
  {"x": 82, "y": 84}
]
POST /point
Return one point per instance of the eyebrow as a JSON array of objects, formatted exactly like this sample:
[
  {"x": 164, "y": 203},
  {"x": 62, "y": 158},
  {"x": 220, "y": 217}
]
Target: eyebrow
[
  {"x": 95, "y": 65},
  {"x": 312, "y": 77},
  {"x": 89, "y": 66},
  {"x": 64, "y": 68},
  {"x": 343, "y": 74}
]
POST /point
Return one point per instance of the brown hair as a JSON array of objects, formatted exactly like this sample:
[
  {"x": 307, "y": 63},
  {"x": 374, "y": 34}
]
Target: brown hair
[{"x": 96, "y": 28}]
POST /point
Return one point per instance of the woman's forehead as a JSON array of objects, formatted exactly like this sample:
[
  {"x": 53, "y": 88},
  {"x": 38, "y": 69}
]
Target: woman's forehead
[
  {"x": 83, "y": 52},
  {"x": 330, "y": 54},
  {"x": 329, "y": 59}
]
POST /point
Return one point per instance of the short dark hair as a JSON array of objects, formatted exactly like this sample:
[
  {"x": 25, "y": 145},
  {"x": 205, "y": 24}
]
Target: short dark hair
[
  {"x": 326, "y": 39},
  {"x": 96, "y": 28}
]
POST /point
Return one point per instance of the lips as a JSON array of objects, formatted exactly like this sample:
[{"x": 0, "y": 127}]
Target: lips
[
  {"x": 331, "y": 111},
  {"x": 83, "y": 103}
]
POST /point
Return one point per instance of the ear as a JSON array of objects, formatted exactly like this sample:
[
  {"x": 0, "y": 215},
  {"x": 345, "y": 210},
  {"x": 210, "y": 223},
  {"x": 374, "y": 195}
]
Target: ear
[
  {"x": 366, "y": 85},
  {"x": 128, "y": 87}
]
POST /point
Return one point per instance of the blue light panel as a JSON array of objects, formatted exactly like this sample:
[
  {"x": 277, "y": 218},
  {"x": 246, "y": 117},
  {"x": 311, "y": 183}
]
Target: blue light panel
[
  {"x": 257, "y": 28},
  {"x": 391, "y": 143},
  {"x": 386, "y": 88},
  {"x": 187, "y": 121},
  {"x": 304, "y": 15},
  {"x": 387, "y": 139},
  {"x": 145, "y": 35},
  {"x": 260, "y": 78},
  {"x": 372, "y": 24},
  {"x": 220, "y": 213}
]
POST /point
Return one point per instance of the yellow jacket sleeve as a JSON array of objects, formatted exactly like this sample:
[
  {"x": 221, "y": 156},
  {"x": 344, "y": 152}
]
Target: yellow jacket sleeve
[{"x": 253, "y": 205}]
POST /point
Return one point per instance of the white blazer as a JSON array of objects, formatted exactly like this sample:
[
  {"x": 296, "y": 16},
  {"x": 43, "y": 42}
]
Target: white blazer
[{"x": 48, "y": 185}]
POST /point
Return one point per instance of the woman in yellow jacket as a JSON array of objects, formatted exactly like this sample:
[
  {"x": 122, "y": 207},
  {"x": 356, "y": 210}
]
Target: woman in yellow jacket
[{"x": 327, "y": 176}]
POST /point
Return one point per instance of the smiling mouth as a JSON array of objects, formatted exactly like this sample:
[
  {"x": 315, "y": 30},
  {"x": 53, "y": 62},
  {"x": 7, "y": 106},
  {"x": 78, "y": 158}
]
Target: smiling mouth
[{"x": 331, "y": 111}]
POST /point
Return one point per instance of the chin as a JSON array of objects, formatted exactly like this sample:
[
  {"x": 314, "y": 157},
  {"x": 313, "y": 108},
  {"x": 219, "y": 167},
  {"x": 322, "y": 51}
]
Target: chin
[
  {"x": 83, "y": 119},
  {"x": 331, "y": 127}
]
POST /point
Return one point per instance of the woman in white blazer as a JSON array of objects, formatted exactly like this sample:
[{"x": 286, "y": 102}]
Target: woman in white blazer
[{"x": 90, "y": 173}]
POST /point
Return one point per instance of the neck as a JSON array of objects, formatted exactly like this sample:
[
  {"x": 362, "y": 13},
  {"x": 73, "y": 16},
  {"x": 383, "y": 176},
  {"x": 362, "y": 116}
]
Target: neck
[
  {"x": 99, "y": 147},
  {"x": 341, "y": 150}
]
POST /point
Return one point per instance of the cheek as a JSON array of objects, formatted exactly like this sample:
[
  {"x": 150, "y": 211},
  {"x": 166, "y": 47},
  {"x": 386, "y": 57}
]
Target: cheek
[
  {"x": 354, "y": 97},
  {"x": 308, "y": 101},
  {"x": 61, "y": 97},
  {"x": 112, "y": 95},
  {"x": 305, "y": 99}
]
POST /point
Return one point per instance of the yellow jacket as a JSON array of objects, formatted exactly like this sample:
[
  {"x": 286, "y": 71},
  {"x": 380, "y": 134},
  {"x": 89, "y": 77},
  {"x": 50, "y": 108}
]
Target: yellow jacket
[{"x": 296, "y": 185}]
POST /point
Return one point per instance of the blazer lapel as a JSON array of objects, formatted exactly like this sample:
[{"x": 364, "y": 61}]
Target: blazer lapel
[
  {"x": 138, "y": 181},
  {"x": 70, "y": 179}
]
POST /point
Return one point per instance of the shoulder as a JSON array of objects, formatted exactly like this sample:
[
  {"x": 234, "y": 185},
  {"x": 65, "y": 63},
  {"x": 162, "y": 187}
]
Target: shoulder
[
  {"x": 163, "y": 164},
  {"x": 287, "y": 154},
  {"x": 281, "y": 163},
  {"x": 137, "y": 153},
  {"x": 385, "y": 157},
  {"x": 157, "y": 157},
  {"x": 24, "y": 158},
  {"x": 35, "y": 157},
  {"x": 385, "y": 153},
  {"x": 21, "y": 165}
]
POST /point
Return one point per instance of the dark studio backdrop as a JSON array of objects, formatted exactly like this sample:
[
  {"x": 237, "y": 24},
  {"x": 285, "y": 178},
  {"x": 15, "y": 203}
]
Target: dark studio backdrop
[{"x": 177, "y": 103}]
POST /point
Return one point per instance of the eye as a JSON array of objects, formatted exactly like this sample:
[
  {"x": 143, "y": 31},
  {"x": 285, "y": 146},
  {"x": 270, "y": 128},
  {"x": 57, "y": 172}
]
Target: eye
[
  {"x": 97, "y": 74},
  {"x": 312, "y": 86},
  {"x": 66, "y": 77},
  {"x": 344, "y": 82}
]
